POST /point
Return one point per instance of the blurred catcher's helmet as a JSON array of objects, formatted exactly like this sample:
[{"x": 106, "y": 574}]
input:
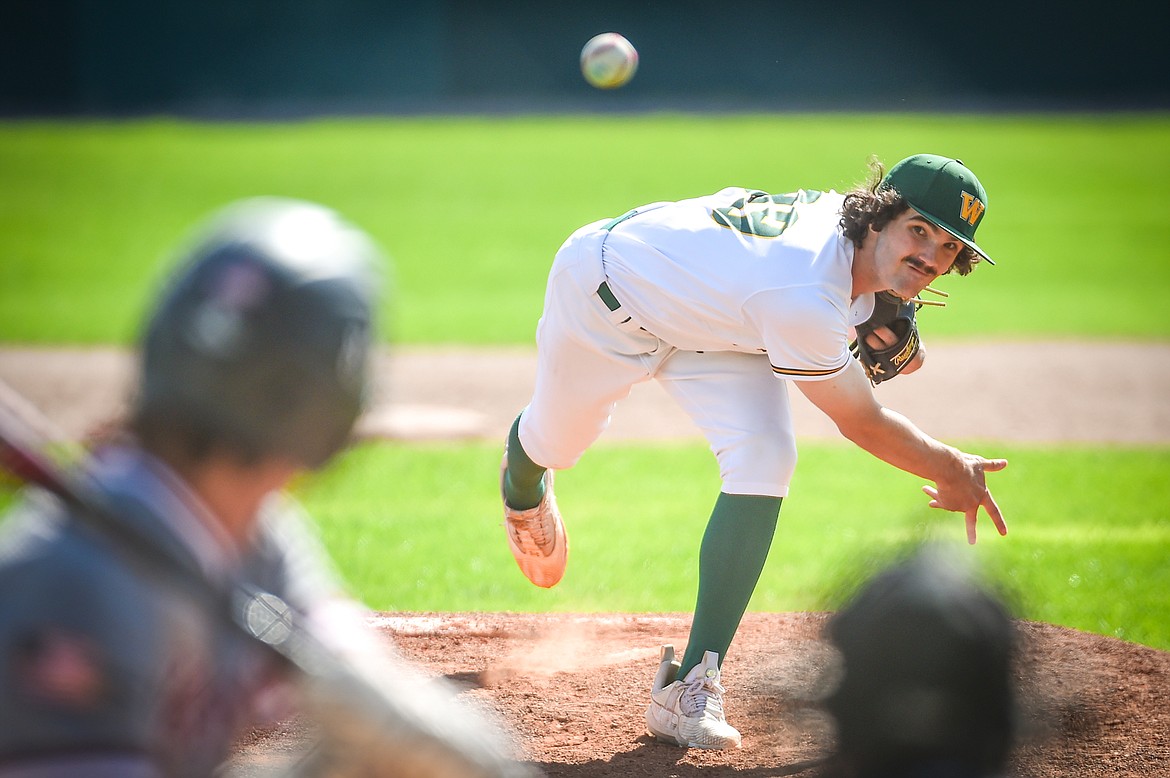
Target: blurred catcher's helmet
[
  {"x": 927, "y": 650},
  {"x": 262, "y": 338}
]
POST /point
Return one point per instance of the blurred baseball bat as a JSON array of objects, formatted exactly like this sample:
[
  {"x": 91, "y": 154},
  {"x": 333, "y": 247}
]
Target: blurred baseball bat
[{"x": 378, "y": 717}]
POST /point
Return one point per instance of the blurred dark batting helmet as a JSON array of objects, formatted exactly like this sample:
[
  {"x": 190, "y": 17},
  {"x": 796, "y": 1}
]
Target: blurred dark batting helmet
[
  {"x": 927, "y": 686},
  {"x": 262, "y": 339}
]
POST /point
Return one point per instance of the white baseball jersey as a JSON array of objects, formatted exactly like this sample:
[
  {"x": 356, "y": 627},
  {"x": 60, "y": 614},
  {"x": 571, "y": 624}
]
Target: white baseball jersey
[
  {"x": 716, "y": 298},
  {"x": 741, "y": 270}
]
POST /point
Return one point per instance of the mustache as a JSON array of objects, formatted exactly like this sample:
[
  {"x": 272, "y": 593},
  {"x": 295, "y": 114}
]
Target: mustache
[{"x": 918, "y": 264}]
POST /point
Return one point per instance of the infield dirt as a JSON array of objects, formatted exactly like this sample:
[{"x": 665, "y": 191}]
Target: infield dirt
[
  {"x": 572, "y": 688},
  {"x": 1052, "y": 391}
]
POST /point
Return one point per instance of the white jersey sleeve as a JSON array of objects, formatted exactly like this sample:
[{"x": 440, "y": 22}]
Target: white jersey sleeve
[{"x": 805, "y": 336}]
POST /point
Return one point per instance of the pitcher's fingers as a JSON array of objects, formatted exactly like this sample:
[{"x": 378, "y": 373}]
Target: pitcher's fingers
[
  {"x": 992, "y": 465},
  {"x": 881, "y": 337},
  {"x": 996, "y": 516},
  {"x": 932, "y": 493},
  {"x": 971, "y": 518}
]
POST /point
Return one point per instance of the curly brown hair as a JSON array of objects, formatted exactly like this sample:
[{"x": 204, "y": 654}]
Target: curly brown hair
[{"x": 868, "y": 206}]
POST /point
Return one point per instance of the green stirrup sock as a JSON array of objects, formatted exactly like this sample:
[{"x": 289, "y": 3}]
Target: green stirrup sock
[
  {"x": 731, "y": 558},
  {"x": 524, "y": 482}
]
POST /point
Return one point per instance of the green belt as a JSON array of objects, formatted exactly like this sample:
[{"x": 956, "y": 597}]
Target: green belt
[
  {"x": 603, "y": 291},
  {"x": 607, "y": 297}
]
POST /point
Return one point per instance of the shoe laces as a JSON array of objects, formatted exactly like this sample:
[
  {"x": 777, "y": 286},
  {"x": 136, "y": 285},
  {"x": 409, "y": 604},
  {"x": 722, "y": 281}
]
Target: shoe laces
[
  {"x": 703, "y": 694},
  {"x": 540, "y": 526},
  {"x": 538, "y": 522}
]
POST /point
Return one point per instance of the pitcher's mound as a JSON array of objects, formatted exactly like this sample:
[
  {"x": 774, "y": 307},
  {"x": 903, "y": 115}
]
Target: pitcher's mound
[{"x": 574, "y": 689}]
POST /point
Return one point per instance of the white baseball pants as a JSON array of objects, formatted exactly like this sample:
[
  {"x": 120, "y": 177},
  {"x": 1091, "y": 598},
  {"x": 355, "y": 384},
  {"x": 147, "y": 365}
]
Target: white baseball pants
[{"x": 589, "y": 357}]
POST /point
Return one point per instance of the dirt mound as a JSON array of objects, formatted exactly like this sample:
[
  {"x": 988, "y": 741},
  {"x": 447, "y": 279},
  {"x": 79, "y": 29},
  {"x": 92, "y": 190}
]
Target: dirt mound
[{"x": 574, "y": 687}]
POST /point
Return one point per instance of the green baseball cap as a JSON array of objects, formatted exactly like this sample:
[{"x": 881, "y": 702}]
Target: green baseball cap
[{"x": 944, "y": 191}]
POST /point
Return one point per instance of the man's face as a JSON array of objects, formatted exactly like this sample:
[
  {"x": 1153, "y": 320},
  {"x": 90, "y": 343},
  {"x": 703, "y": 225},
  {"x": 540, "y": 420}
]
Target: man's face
[{"x": 910, "y": 252}]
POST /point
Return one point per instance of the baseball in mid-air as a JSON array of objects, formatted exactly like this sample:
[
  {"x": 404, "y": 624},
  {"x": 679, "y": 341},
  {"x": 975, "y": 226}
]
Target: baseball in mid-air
[{"x": 608, "y": 60}]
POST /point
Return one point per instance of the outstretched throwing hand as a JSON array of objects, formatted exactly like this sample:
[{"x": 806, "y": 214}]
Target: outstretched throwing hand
[{"x": 967, "y": 495}]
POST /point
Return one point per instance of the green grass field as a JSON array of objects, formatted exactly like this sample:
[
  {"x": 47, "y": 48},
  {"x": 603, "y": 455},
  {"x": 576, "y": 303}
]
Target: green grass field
[
  {"x": 471, "y": 211},
  {"x": 418, "y": 528}
]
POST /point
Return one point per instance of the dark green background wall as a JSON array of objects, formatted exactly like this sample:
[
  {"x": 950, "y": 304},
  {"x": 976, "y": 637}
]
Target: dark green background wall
[{"x": 293, "y": 57}]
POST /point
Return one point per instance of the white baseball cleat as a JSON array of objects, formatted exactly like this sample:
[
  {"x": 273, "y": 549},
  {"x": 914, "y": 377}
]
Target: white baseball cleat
[
  {"x": 537, "y": 535},
  {"x": 689, "y": 712}
]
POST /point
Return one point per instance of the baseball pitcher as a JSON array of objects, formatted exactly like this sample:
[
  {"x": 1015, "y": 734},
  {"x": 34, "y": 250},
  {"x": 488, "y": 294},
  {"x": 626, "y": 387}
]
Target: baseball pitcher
[{"x": 726, "y": 300}]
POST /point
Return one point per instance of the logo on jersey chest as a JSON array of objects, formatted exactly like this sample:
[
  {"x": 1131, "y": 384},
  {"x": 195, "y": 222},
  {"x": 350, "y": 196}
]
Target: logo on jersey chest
[{"x": 763, "y": 215}]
